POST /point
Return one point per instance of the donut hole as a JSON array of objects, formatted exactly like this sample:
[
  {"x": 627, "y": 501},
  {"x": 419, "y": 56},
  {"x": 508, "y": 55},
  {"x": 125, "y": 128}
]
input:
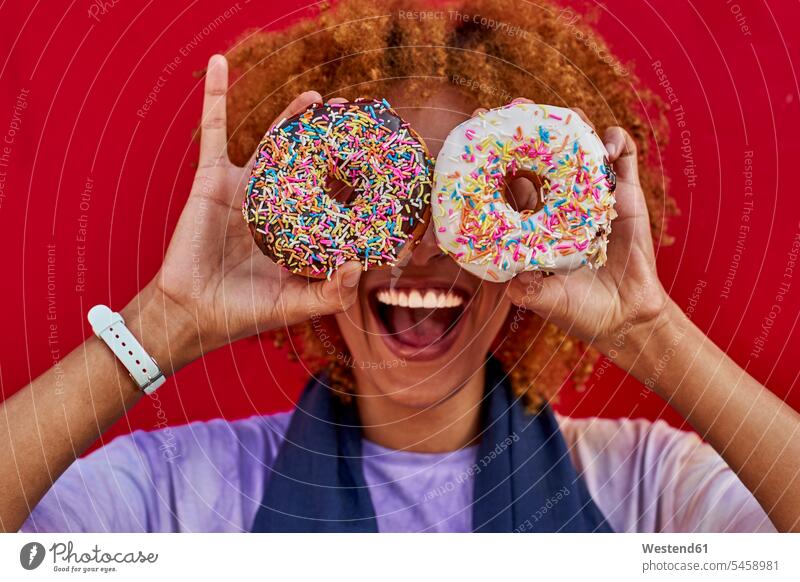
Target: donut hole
[
  {"x": 523, "y": 191},
  {"x": 339, "y": 190}
]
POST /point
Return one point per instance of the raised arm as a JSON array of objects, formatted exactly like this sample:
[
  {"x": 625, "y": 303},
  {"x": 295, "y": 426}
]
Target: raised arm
[
  {"x": 623, "y": 310},
  {"x": 756, "y": 433},
  {"x": 214, "y": 287}
]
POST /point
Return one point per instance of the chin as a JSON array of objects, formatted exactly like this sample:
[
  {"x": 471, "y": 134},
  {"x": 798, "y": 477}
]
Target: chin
[{"x": 418, "y": 338}]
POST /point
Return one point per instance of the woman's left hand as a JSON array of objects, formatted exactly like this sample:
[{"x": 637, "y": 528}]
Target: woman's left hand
[{"x": 600, "y": 304}]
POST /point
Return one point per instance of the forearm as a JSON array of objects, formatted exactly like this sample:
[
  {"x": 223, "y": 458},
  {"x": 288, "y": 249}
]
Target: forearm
[
  {"x": 49, "y": 423},
  {"x": 756, "y": 433}
]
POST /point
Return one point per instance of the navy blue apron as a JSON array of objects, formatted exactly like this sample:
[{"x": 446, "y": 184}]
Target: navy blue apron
[{"x": 528, "y": 485}]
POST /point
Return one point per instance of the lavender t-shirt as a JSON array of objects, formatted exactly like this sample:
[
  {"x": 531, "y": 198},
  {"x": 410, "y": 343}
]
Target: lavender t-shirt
[{"x": 209, "y": 477}]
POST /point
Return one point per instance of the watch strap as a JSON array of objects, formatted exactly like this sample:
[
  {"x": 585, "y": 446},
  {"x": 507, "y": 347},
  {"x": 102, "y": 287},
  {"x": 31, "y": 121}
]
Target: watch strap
[{"x": 110, "y": 327}]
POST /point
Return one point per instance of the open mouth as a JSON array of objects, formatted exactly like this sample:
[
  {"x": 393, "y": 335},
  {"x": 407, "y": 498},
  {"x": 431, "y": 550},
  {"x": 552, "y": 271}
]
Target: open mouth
[{"x": 419, "y": 322}]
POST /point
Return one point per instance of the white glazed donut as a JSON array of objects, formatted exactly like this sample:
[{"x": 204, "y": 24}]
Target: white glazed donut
[{"x": 483, "y": 233}]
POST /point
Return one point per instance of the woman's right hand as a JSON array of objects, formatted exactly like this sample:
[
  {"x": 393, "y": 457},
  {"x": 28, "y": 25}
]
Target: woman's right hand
[{"x": 215, "y": 286}]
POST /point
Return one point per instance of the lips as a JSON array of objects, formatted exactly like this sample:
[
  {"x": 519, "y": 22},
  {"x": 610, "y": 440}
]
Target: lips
[{"x": 419, "y": 321}]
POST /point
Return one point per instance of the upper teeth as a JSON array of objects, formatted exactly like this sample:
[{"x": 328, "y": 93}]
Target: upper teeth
[{"x": 427, "y": 298}]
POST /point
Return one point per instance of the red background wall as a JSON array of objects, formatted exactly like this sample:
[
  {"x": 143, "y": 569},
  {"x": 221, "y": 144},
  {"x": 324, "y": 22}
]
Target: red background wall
[{"x": 82, "y": 80}]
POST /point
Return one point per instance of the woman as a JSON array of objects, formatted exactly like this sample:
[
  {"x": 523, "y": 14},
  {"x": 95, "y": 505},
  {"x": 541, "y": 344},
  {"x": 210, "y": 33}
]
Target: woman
[{"x": 416, "y": 420}]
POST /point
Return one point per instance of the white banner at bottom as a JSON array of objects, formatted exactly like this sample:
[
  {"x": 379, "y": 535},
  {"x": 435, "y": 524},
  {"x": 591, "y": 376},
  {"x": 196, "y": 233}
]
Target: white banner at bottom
[{"x": 388, "y": 557}]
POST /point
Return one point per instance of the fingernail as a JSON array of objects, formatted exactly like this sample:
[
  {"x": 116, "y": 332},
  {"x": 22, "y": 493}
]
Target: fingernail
[
  {"x": 351, "y": 277},
  {"x": 611, "y": 148}
]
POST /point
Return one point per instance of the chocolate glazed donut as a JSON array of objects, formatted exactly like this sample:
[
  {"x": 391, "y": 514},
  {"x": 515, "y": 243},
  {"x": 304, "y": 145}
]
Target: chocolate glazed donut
[{"x": 362, "y": 146}]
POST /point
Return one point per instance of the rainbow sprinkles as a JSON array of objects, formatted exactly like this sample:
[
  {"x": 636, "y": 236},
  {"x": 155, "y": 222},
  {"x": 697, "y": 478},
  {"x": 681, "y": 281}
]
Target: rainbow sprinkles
[
  {"x": 363, "y": 144},
  {"x": 483, "y": 233}
]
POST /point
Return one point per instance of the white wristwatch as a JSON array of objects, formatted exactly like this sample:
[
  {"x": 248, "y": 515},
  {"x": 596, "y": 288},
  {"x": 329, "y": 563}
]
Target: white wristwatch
[{"x": 110, "y": 327}]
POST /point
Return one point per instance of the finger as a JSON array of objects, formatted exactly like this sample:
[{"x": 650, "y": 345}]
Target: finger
[
  {"x": 298, "y": 105},
  {"x": 524, "y": 193},
  {"x": 533, "y": 291},
  {"x": 337, "y": 294},
  {"x": 521, "y": 100},
  {"x": 337, "y": 100},
  {"x": 630, "y": 202},
  {"x": 213, "y": 127},
  {"x": 622, "y": 153},
  {"x": 582, "y": 114}
]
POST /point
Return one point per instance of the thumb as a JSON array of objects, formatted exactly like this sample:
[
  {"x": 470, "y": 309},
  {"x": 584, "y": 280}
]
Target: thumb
[
  {"x": 338, "y": 293},
  {"x": 533, "y": 291}
]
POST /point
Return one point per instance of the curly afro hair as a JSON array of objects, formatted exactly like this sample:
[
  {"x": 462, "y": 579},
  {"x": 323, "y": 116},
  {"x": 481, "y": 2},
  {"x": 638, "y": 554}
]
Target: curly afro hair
[{"x": 493, "y": 51}]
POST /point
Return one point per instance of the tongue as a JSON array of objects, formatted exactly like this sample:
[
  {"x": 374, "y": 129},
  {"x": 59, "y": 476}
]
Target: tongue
[{"x": 420, "y": 327}]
